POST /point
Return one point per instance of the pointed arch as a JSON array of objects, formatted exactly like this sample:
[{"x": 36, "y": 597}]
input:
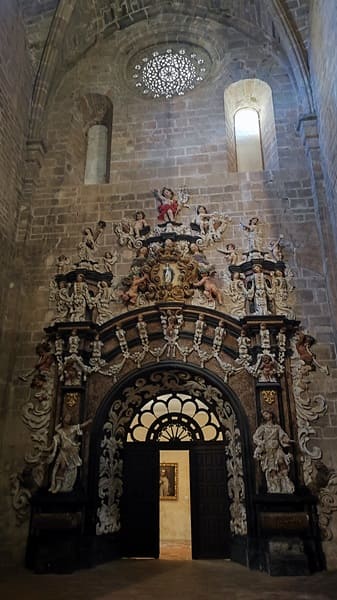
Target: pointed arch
[{"x": 292, "y": 46}]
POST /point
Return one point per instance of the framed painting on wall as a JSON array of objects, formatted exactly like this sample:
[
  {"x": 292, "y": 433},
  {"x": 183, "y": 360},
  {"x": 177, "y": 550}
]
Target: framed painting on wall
[{"x": 168, "y": 481}]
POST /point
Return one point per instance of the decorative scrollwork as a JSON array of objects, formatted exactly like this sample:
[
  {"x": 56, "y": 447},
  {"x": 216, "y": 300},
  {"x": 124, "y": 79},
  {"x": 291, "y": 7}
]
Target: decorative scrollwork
[
  {"x": 121, "y": 414},
  {"x": 308, "y": 410}
]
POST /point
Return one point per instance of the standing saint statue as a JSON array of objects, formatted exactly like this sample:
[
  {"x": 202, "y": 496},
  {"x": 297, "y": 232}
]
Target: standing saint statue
[
  {"x": 270, "y": 439},
  {"x": 64, "y": 453}
]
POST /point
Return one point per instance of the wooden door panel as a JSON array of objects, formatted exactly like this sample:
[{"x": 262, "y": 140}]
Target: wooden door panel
[
  {"x": 140, "y": 501},
  {"x": 209, "y": 502}
]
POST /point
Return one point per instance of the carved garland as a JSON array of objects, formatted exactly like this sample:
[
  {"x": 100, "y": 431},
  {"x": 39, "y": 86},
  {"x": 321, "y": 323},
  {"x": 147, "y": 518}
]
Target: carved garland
[{"x": 115, "y": 430}]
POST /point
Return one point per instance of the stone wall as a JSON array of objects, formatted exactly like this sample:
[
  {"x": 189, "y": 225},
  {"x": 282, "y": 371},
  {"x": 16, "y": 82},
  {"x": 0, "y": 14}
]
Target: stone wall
[
  {"x": 15, "y": 94},
  {"x": 323, "y": 62}
]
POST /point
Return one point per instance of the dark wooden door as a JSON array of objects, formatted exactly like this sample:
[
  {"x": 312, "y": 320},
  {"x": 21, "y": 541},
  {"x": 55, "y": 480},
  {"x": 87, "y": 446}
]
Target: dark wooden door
[
  {"x": 209, "y": 502},
  {"x": 140, "y": 501}
]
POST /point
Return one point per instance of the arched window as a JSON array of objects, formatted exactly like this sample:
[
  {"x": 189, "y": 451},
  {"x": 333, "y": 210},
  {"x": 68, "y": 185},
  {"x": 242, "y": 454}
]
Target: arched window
[
  {"x": 89, "y": 149},
  {"x": 248, "y": 140},
  {"x": 250, "y": 126},
  {"x": 97, "y": 151}
]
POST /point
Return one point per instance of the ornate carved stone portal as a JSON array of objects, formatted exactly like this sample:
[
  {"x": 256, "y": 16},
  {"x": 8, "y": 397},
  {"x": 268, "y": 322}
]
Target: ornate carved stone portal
[{"x": 222, "y": 356}]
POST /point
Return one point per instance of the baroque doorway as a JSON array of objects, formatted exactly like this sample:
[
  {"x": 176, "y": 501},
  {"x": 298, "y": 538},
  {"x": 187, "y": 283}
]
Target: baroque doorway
[{"x": 173, "y": 409}]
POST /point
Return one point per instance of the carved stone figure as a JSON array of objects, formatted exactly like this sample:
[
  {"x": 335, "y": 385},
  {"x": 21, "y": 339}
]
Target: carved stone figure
[
  {"x": 238, "y": 294},
  {"x": 74, "y": 343},
  {"x": 171, "y": 321},
  {"x": 270, "y": 440},
  {"x": 253, "y": 232},
  {"x": 168, "y": 205},
  {"x": 120, "y": 335},
  {"x": 259, "y": 292},
  {"x": 64, "y": 454},
  {"x": 72, "y": 373},
  {"x": 142, "y": 257},
  {"x": 244, "y": 344},
  {"x": 200, "y": 259},
  {"x": 202, "y": 219},
  {"x": 168, "y": 274},
  {"x": 88, "y": 245},
  {"x": 198, "y": 330},
  {"x": 231, "y": 254},
  {"x": 280, "y": 291},
  {"x": 96, "y": 350},
  {"x": 140, "y": 226},
  {"x": 130, "y": 296},
  {"x": 275, "y": 249},
  {"x": 266, "y": 369},
  {"x": 209, "y": 286},
  {"x": 219, "y": 333},
  {"x": 281, "y": 343},
  {"x": 59, "y": 293},
  {"x": 264, "y": 338},
  {"x": 80, "y": 298},
  {"x": 303, "y": 346},
  {"x": 62, "y": 264},
  {"x": 103, "y": 301},
  {"x": 59, "y": 345},
  {"x": 109, "y": 259},
  {"x": 44, "y": 363},
  {"x": 142, "y": 331}
]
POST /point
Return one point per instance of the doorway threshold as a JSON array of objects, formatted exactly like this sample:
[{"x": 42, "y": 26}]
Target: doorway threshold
[{"x": 175, "y": 550}]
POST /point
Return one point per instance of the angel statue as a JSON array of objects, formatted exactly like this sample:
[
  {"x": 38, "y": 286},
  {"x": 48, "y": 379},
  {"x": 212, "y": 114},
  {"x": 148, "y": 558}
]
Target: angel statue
[{"x": 169, "y": 205}]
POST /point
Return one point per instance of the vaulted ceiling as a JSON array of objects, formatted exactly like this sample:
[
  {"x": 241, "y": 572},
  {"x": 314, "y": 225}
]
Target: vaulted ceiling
[
  {"x": 92, "y": 18},
  {"x": 59, "y": 32}
]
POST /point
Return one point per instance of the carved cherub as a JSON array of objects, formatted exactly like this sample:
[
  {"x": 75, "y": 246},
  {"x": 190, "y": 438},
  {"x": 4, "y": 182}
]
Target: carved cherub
[
  {"x": 62, "y": 263},
  {"x": 44, "y": 362},
  {"x": 167, "y": 205},
  {"x": 231, "y": 254},
  {"x": 109, "y": 259},
  {"x": 275, "y": 249},
  {"x": 140, "y": 225},
  {"x": 130, "y": 296},
  {"x": 210, "y": 288},
  {"x": 303, "y": 347}
]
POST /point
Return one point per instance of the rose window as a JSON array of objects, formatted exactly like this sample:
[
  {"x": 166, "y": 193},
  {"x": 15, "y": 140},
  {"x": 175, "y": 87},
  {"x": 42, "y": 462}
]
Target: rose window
[{"x": 170, "y": 72}]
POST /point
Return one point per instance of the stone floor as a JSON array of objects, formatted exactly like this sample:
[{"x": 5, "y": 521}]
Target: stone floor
[{"x": 167, "y": 580}]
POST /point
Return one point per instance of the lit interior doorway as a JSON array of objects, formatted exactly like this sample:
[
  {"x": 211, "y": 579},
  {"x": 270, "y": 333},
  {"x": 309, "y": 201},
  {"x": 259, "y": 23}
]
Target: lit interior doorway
[{"x": 175, "y": 505}]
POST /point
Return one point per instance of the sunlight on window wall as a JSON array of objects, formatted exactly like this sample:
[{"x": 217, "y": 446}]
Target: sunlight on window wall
[{"x": 248, "y": 140}]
